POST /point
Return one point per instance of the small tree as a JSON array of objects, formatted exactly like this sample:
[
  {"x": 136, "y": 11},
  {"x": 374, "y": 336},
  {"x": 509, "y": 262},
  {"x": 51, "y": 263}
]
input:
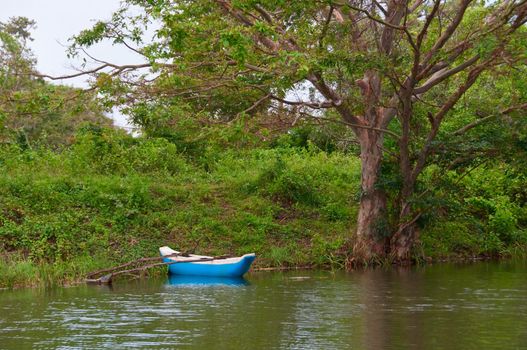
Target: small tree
[
  {"x": 32, "y": 110},
  {"x": 386, "y": 68}
]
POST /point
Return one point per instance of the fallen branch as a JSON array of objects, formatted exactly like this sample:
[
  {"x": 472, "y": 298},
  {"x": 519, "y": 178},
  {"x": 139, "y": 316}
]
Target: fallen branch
[
  {"x": 158, "y": 258},
  {"x": 118, "y": 270}
]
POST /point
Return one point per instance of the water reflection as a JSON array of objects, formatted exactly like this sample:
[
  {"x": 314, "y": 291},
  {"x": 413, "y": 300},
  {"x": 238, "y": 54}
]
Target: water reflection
[
  {"x": 482, "y": 306},
  {"x": 205, "y": 281}
]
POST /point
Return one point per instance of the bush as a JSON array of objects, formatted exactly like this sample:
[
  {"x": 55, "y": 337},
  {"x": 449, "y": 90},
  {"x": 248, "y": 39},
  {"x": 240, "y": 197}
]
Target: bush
[
  {"x": 110, "y": 152},
  {"x": 480, "y": 215},
  {"x": 289, "y": 185}
]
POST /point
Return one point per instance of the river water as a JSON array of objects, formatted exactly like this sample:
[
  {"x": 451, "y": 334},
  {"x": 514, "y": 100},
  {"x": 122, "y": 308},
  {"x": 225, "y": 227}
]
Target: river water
[{"x": 476, "y": 306}]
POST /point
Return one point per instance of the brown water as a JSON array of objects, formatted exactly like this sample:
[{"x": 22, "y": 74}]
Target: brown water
[{"x": 478, "y": 306}]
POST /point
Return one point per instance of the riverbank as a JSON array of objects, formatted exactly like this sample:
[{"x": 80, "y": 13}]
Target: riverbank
[
  {"x": 109, "y": 199},
  {"x": 27, "y": 274}
]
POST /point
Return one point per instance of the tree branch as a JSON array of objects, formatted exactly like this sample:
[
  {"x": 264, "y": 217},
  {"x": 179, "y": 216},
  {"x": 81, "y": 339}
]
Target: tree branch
[
  {"x": 443, "y": 74},
  {"x": 360, "y": 126},
  {"x": 117, "y": 69},
  {"x": 460, "y": 12},
  {"x": 325, "y": 28},
  {"x": 475, "y": 123},
  {"x": 438, "y": 118},
  {"x": 256, "y": 104},
  {"x": 313, "y": 105},
  {"x": 373, "y": 18},
  {"x": 429, "y": 18},
  {"x": 318, "y": 81}
]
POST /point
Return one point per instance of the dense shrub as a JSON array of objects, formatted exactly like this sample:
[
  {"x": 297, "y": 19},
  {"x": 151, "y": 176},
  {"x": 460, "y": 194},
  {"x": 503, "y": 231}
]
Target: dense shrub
[
  {"x": 110, "y": 152},
  {"x": 480, "y": 213}
]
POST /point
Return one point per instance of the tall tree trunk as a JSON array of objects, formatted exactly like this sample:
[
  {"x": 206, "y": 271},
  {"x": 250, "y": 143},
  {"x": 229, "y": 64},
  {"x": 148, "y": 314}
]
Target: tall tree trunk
[
  {"x": 401, "y": 243},
  {"x": 372, "y": 221},
  {"x": 403, "y": 239}
]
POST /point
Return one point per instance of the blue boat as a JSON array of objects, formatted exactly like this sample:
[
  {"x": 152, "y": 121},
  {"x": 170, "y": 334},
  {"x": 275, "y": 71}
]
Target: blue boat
[{"x": 201, "y": 265}]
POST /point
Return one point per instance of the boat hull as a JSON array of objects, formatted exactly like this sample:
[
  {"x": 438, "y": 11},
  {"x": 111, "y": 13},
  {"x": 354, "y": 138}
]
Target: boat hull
[{"x": 230, "y": 268}]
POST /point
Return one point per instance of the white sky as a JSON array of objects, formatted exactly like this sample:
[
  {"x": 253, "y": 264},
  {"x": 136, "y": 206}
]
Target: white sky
[{"x": 58, "y": 20}]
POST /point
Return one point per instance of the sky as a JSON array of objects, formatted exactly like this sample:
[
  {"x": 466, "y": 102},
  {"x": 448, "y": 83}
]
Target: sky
[{"x": 57, "y": 21}]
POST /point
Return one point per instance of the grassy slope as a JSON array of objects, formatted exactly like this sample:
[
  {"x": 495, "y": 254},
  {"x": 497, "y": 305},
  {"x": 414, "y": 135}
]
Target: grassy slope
[
  {"x": 64, "y": 215},
  {"x": 108, "y": 200}
]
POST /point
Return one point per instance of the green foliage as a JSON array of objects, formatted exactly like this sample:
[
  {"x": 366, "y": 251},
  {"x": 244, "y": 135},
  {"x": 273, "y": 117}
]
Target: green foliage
[
  {"x": 288, "y": 185},
  {"x": 16, "y": 274},
  {"x": 114, "y": 198},
  {"x": 329, "y": 138},
  {"x": 111, "y": 197},
  {"x": 205, "y": 175},
  {"x": 111, "y": 152},
  {"x": 32, "y": 112},
  {"x": 480, "y": 213}
]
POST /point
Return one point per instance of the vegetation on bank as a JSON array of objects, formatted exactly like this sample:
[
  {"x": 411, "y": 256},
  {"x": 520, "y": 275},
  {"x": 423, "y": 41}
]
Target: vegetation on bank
[
  {"x": 413, "y": 84},
  {"x": 111, "y": 198},
  {"x": 228, "y": 163}
]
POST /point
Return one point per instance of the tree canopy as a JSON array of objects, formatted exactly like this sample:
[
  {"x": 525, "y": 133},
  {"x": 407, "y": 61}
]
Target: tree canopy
[{"x": 31, "y": 110}]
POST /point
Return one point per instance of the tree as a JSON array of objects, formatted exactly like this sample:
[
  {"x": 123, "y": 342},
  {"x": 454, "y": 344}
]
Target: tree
[
  {"x": 32, "y": 110},
  {"x": 390, "y": 70}
]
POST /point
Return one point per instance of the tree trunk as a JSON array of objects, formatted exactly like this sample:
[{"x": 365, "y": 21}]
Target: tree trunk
[
  {"x": 406, "y": 235},
  {"x": 372, "y": 222},
  {"x": 407, "y": 232},
  {"x": 402, "y": 241}
]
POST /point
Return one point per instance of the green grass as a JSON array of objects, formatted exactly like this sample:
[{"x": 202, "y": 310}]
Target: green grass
[{"x": 63, "y": 215}]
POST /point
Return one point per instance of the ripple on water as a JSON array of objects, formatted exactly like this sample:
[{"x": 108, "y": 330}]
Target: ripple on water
[{"x": 431, "y": 309}]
